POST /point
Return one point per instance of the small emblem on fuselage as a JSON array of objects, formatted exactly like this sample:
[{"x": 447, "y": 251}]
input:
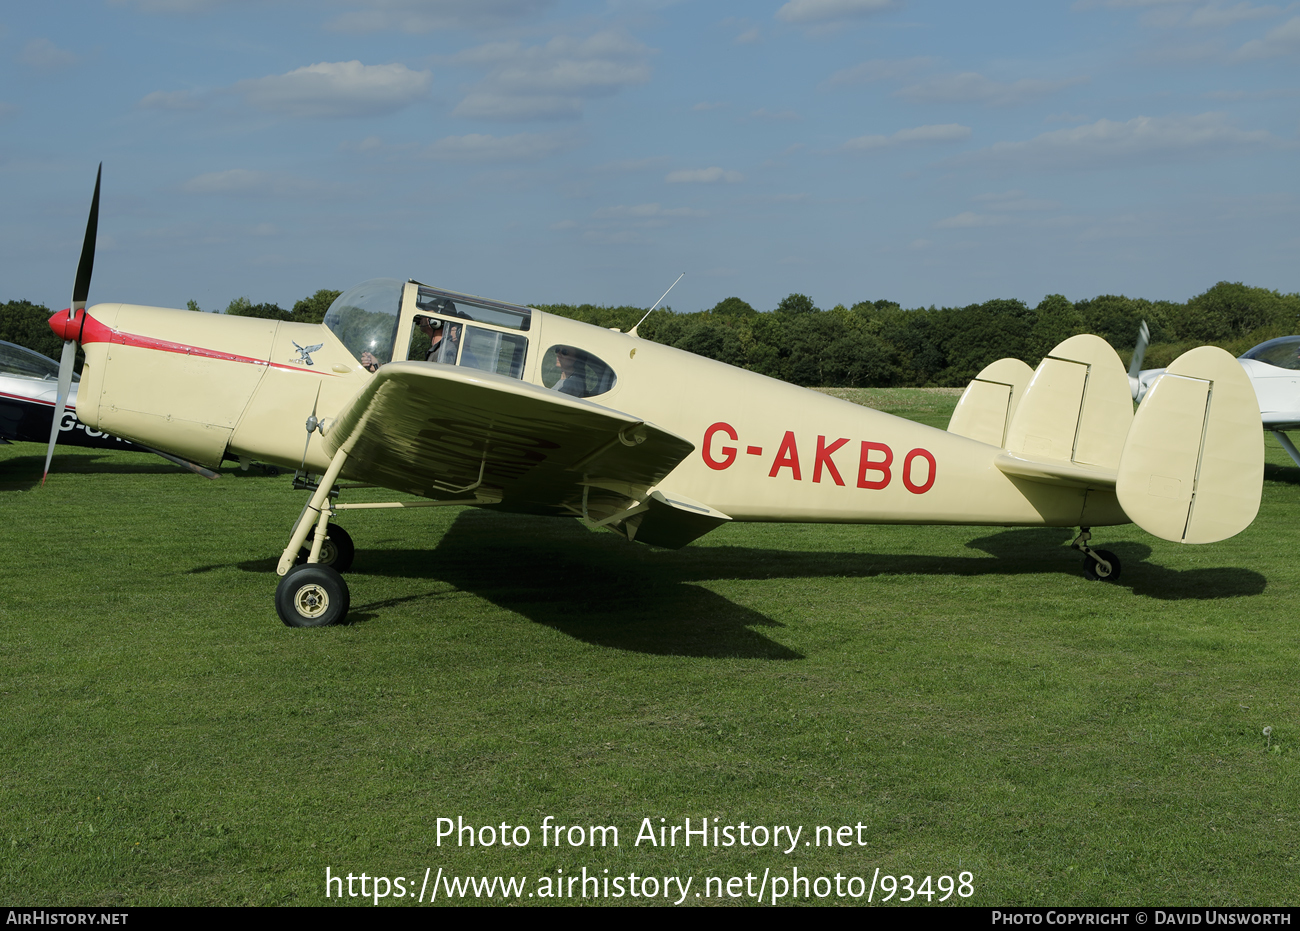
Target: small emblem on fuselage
[{"x": 304, "y": 352}]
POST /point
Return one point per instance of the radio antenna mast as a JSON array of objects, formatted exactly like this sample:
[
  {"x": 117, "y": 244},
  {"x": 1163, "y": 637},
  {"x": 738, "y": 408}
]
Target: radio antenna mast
[{"x": 633, "y": 332}]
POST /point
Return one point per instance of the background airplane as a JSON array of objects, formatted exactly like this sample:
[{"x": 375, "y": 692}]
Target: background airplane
[
  {"x": 1274, "y": 371},
  {"x": 461, "y": 400},
  {"x": 28, "y": 398}
]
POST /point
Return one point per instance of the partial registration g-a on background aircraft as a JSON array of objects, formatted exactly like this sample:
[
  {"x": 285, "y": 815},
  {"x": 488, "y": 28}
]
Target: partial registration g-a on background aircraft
[{"x": 466, "y": 401}]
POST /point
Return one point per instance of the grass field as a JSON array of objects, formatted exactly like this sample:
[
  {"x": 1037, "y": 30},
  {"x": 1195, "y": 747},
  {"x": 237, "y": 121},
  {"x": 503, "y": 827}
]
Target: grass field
[{"x": 963, "y": 694}]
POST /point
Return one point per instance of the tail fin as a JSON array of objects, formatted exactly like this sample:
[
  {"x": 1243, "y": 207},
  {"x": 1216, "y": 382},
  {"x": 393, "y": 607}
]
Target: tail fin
[
  {"x": 989, "y": 402},
  {"x": 1193, "y": 465},
  {"x": 1075, "y": 408},
  {"x": 1188, "y": 467}
]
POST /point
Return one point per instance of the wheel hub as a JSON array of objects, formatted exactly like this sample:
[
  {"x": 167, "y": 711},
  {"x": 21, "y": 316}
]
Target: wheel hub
[{"x": 311, "y": 601}]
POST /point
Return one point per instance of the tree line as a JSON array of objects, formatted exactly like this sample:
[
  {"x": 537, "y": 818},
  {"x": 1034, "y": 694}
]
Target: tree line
[{"x": 873, "y": 343}]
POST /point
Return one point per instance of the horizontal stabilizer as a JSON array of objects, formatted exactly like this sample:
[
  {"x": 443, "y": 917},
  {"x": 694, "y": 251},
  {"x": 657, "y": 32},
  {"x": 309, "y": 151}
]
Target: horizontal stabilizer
[
  {"x": 989, "y": 402},
  {"x": 1057, "y": 473},
  {"x": 1193, "y": 465}
]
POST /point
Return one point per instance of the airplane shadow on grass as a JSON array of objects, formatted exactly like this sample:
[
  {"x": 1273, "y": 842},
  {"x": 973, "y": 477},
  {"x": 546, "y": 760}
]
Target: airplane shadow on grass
[
  {"x": 23, "y": 473},
  {"x": 599, "y": 589}
]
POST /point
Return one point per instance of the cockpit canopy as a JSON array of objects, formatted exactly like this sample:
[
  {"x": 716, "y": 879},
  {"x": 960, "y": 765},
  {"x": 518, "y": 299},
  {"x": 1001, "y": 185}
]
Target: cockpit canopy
[
  {"x": 1283, "y": 352},
  {"x": 365, "y": 318},
  {"x": 28, "y": 363}
]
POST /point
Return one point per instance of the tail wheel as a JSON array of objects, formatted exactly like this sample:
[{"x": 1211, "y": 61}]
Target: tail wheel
[
  {"x": 312, "y": 596},
  {"x": 336, "y": 552},
  {"x": 1099, "y": 573}
]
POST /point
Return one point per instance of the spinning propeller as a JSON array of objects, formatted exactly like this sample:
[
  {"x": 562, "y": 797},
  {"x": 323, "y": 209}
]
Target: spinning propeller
[
  {"x": 1139, "y": 354},
  {"x": 70, "y": 328}
]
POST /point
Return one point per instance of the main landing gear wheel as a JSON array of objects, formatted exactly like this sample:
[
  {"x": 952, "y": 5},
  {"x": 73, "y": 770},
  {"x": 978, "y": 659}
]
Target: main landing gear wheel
[
  {"x": 312, "y": 596},
  {"x": 1099, "y": 573},
  {"x": 336, "y": 552}
]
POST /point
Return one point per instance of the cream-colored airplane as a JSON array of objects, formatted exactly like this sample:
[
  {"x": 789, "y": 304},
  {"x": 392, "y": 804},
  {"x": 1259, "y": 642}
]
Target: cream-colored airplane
[{"x": 461, "y": 400}]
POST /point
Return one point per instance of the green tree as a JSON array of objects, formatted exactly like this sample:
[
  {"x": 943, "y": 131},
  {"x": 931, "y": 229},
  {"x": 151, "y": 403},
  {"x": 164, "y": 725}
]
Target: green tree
[
  {"x": 27, "y": 324},
  {"x": 1231, "y": 310},
  {"x": 312, "y": 309},
  {"x": 795, "y": 304},
  {"x": 1055, "y": 320},
  {"x": 243, "y": 307},
  {"x": 733, "y": 307}
]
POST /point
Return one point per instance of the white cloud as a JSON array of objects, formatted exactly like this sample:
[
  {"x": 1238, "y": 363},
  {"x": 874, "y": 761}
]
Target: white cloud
[
  {"x": 1187, "y": 13},
  {"x": 1216, "y": 17},
  {"x": 491, "y": 106},
  {"x": 1121, "y": 4},
  {"x": 918, "y": 135},
  {"x": 1143, "y": 138},
  {"x": 968, "y": 220},
  {"x": 551, "y": 81},
  {"x": 1282, "y": 40},
  {"x": 419, "y": 16},
  {"x": 704, "y": 176},
  {"x": 170, "y": 6},
  {"x": 748, "y": 36},
  {"x": 170, "y": 100},
  {"x": 523, "y": 147},
  {"x": 44, "y": 55},
  {"x": 649, "y": 163},
  {"x": 337, "y": 89},
  {"x": 644, "y": 211},
  {"x": 823, "y": 11},
  {"x": 247, "y": 183},
  {"x": 878, "y": 69},
  {"x": 1014, "y": 201},
  {"x": 970, "y": 87}
]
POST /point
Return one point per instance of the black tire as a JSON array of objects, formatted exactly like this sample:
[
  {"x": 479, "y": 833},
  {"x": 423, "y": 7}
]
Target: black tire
[
  {"x": 337, "y": 552},
  {"x": 1095, "y": 572},
  {"x": 312, "y": 596}
]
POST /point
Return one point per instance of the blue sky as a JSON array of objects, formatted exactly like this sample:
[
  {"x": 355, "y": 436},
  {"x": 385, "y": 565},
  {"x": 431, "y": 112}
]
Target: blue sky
[{"x": 568, "y": 151}]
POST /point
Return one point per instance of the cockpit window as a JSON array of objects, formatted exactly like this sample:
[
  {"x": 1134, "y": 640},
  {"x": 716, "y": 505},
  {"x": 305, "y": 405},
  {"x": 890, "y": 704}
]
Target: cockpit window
[
  {"x": 1283, "y": 352},
  {"x": 451, "y": 304},
  {"x": 365, "y": 319},
  {"x": 573, "y": 371}
]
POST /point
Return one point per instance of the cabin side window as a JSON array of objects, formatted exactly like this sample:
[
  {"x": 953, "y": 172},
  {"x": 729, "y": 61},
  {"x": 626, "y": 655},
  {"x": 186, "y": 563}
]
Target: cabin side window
[
  {"x": 576, "y": 372},
  {"x": 451, "y": 342}
]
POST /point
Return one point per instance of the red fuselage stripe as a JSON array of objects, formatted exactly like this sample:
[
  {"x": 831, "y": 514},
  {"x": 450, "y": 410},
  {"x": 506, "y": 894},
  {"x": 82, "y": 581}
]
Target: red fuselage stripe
[
  {"x": 92, "y": 331},
  {"x": 30, "y": 400}
]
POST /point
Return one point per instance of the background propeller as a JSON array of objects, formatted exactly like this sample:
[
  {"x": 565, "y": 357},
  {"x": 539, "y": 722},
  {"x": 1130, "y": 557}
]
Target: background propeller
[
  {"x": 80, "y": 290},
  {"x": 1135, "y": 366}
]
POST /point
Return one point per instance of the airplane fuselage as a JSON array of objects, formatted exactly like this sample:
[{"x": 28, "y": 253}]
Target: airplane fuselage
[{"x": 207, "y": 386}]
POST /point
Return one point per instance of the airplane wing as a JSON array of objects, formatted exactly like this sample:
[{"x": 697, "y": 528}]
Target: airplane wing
[
  {"x": 448, "y": 432},
  {"x": 1281, "y": 420}
]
